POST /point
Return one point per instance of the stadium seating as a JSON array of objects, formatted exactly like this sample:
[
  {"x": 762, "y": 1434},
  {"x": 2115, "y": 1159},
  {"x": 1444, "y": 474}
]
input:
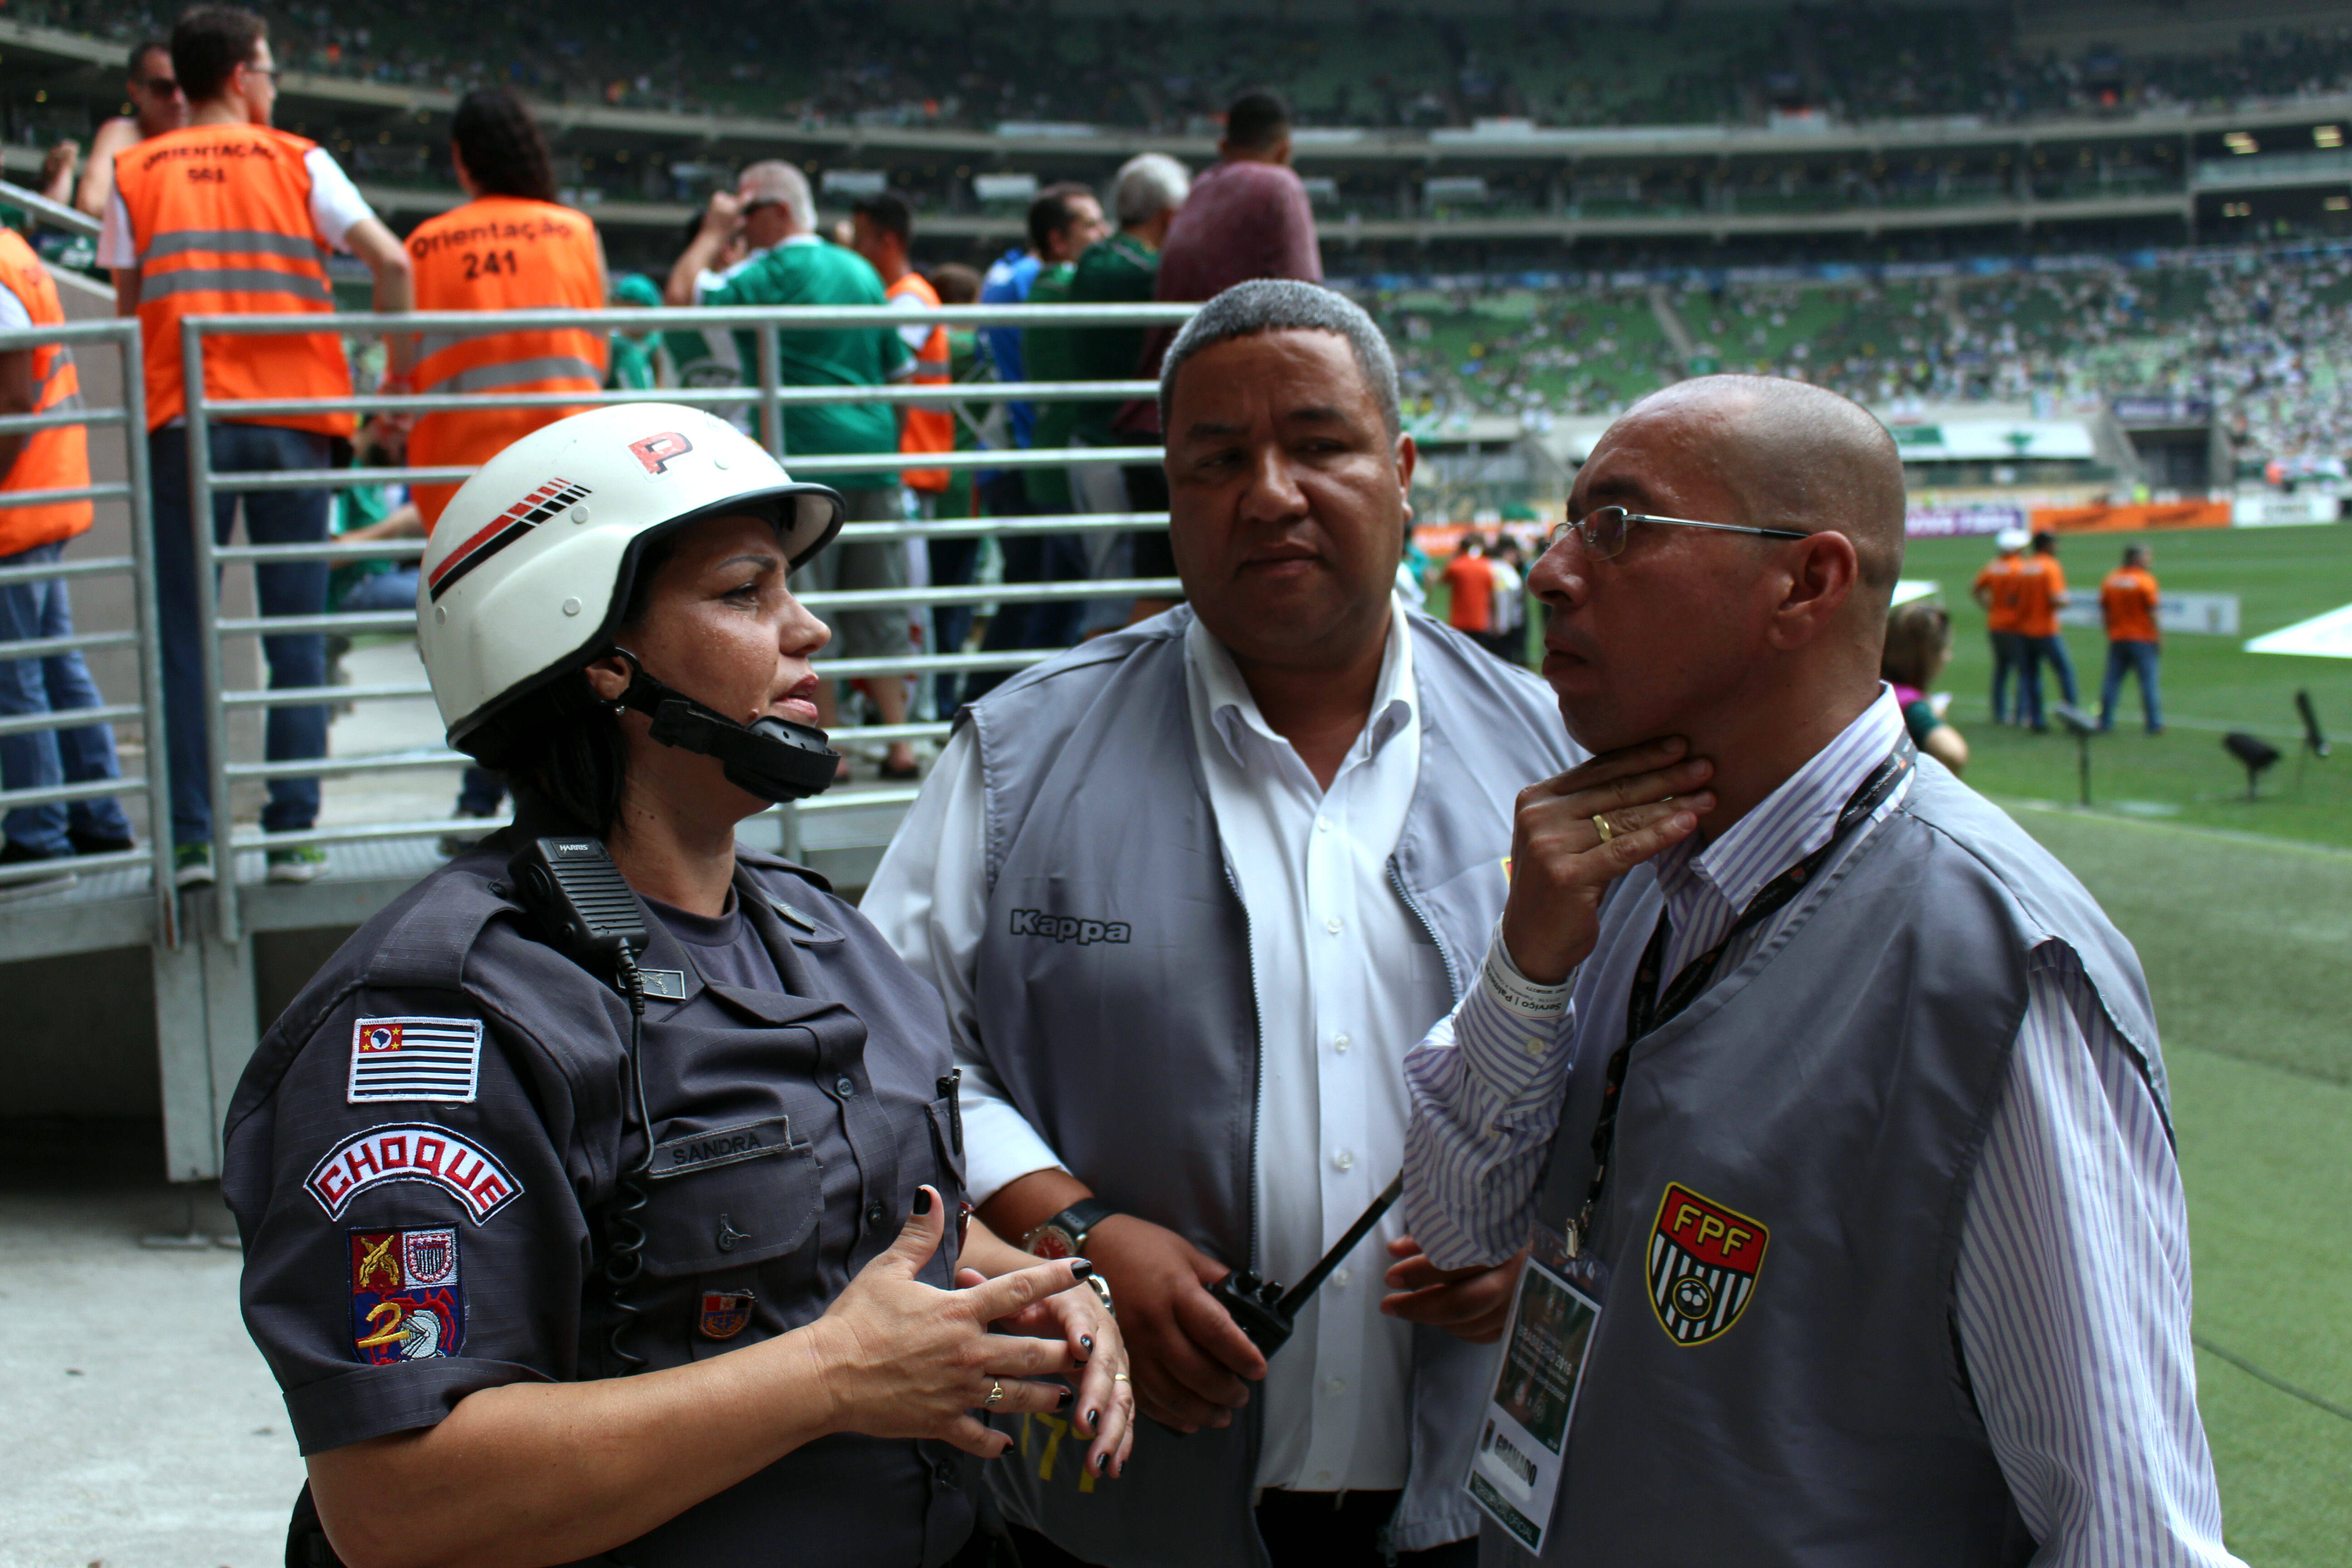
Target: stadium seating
[{"x": 986, "y": 62}]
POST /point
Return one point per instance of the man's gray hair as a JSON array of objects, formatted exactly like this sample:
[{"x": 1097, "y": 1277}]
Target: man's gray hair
[
  {"x": 1287, "y": 305},
  {"x": 1148, "y": 184},
  {"x": 776, "y": 181}
]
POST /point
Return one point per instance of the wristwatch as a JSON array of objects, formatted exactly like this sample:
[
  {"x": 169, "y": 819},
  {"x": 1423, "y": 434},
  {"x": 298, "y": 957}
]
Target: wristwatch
[{"x": 1065, "y": 1235}]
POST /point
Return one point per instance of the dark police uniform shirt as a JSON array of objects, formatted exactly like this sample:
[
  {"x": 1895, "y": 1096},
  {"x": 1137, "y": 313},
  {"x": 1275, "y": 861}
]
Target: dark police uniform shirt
[{"x": 422, "y": 1152}]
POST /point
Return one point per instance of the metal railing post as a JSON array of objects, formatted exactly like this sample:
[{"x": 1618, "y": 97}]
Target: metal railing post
[
  {"x": 772, "y": 386},
  {"x": 147, "y": 606},
  {"x": 770, "y": 397},
  {"x": 207, "y": 586}
]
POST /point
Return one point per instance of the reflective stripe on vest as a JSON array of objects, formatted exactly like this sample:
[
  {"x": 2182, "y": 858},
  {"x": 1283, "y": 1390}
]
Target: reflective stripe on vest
[
  {"x": 924, "y": 429},
  {"x": 501, "y": 253},
  {"x": 53, "y": 460},
  {"x": 220, "y": 217}
]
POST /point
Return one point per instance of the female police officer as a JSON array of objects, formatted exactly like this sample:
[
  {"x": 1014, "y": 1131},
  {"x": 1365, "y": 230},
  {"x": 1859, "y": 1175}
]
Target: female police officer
[{"x": 477, "y": 1188}]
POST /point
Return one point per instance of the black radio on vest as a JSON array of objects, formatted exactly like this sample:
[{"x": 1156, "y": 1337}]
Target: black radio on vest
[{"x": 592, "y": 916}]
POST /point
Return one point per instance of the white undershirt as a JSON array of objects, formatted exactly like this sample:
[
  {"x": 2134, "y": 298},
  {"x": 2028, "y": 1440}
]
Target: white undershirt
[
  {"x": 336, "y": 205},
  {"x": 1347, "y": 983}
]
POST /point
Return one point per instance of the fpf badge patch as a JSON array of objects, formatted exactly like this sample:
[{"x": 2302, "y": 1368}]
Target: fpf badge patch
[
  {"x": 408, "y": 1300},
  {"x": 1704, "y": 1259}
]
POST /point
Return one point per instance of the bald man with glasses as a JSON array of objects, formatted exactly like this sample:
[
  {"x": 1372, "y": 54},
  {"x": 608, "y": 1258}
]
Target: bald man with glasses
[{"x": 1829, "y": 1105}]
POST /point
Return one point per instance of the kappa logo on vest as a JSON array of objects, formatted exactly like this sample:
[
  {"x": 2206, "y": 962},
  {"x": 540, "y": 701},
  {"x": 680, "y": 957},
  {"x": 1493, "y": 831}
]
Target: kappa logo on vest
[
  {"x": 1068, "y": 927},
  {"x": 1704, "y": 1260}
]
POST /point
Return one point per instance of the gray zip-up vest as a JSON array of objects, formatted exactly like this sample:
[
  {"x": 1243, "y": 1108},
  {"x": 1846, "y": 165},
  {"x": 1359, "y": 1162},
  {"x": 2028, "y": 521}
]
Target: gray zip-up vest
[
  {"x": 1807, "y": 1403},
  {"x": 1118, "y": 1008}
]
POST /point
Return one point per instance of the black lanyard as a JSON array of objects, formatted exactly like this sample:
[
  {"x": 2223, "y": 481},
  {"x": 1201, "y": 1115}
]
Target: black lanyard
[{"x": 1645, "y": 1010}]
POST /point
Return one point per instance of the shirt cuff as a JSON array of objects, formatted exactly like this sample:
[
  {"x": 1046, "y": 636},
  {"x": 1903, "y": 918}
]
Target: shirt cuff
[
  {"x": 1528, "y": 998},
  {"x": 1000, "y": 1148}
]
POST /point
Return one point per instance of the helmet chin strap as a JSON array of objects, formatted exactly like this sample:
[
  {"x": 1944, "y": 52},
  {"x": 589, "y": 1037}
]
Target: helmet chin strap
[{"x": 772, "y": 758}]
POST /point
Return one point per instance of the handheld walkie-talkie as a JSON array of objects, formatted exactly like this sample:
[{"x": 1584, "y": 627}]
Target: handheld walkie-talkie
[
  {"x": 581, "y": 899},
  {"x": 1264, "y": 1310},
  {"x": 590, "y": 915}
]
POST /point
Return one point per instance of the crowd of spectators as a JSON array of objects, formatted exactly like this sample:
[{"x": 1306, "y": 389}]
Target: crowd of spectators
[
  {"x": 984, "y": 62},
  {"x": 2266, "y": 339}
]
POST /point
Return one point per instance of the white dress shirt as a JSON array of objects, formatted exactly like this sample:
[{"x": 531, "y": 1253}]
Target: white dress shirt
[
  {"x": 2073, "y": 1287},
  {"x": 1345, "y": 985}
]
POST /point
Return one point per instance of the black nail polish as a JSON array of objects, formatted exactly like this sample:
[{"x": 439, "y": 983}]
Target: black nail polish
[
  {"x": 1080, "y": 1268},
  {"x": 922, "y": 1200},
  {"x": 1093, "y": 1419},
  {"x": 1063, "y": 1401},
  {"x": 1087, "y": 1340}
]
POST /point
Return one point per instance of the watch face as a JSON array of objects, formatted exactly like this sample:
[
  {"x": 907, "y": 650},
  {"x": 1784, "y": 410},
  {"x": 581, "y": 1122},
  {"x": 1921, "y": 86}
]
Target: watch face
[{"x": 1051, "y": 1243}]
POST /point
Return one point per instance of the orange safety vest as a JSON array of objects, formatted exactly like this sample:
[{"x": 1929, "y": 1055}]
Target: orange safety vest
[
  {"x": 57, "y": 458},
  {"x": 926, "y": 429},
  {"x": 221, "y": 217},
  {"x": 501, "y": 253}
]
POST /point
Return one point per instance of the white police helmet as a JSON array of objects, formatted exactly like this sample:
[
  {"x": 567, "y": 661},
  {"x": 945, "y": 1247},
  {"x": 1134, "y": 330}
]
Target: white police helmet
[{"x": 530, "y": 566}]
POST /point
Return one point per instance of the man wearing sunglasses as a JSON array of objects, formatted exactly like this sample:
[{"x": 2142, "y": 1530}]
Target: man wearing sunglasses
[
  {"x": 1834, "y": 1095},
  {"x": 157, "y": 105}
]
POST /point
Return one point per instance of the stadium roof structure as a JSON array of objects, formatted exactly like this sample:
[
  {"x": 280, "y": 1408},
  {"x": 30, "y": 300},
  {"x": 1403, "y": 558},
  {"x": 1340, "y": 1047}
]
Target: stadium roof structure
[{"x": 1510, "y": 181}]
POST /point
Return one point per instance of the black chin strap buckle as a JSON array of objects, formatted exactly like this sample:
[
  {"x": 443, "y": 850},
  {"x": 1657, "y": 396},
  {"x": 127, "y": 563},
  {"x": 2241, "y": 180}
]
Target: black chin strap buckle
[{"x": 772, "y": 758}]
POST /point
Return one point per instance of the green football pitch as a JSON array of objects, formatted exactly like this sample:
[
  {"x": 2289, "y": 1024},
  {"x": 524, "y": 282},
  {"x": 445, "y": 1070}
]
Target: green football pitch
[{"x": 2242, "y": 911}]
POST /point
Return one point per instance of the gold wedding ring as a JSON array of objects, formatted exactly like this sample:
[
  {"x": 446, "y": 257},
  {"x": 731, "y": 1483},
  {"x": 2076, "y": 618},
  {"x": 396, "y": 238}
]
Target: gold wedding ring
[
  {"x": 1118, "y": 1377},
  {"x": 995, "y": 1393},
  {"x": 1601, "y": 826}
]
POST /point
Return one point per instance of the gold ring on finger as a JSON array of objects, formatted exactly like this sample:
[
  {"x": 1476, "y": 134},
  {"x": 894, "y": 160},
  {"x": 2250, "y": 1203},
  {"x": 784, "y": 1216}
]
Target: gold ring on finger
[
  {"x": 1601, "y": 826},
  {"x": 995, "y": 1393},
  {"x": 1118, "y": 1377}
]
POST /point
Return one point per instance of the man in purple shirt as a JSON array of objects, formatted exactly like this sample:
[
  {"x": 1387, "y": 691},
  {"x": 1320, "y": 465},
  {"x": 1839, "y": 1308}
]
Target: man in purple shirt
[{"x": 1247, "y": 217}]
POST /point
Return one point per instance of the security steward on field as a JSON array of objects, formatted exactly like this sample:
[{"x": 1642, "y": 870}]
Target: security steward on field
[{"x": 546, "y": 1282}]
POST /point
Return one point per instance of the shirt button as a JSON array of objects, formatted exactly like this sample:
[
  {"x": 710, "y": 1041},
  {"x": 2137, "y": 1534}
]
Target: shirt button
[
  {"x": 1336, "y": 1388},
  {"x": 845, "y": 1086},
  {"x": 1323, "y": 825},
  {"x": 1344, "y": 1160},
  {"x": 1342, "y": 1278},
  {"x": 1340, "y": 1043},
  {"x": 1332, "y": 925},
  {"x": 875, "y": 1214}
]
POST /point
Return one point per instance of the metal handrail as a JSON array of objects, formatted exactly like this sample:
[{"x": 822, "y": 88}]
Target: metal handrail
[
  {"x": 56, "y": 215},
  {"x": 763, "y": 395},
  {"x": 153, "y": 779}
]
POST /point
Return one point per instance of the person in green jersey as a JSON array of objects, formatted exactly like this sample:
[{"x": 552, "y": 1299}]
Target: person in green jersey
[
  {"x": 1120, "y": 270},
  {"x": 633, "y": 352},
  {"x": 791, "y": 264}
]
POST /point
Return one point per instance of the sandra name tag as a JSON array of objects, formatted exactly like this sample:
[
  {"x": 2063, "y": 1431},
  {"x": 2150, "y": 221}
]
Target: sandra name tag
[{"x": 1515, "y": 1470}]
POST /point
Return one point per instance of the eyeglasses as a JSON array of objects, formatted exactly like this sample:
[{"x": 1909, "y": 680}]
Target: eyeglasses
[
  {"x": 758, "y": 205},
  {"x": 161, "y": 86},
  {"x": 1604, "y": 528}
]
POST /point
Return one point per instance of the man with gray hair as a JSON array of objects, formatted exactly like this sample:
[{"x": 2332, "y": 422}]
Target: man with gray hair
[
  {"x": 1123, "y": 270},
  {"x": 791, "y": 264},
  {"x": 1191, "y": 891}
]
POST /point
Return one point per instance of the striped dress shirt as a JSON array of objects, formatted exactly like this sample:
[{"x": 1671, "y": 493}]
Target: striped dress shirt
[{"x": 2073, "y": 1293}]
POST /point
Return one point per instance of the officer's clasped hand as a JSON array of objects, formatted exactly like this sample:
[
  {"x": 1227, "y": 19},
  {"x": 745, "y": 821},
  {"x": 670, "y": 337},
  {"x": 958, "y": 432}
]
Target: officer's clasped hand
[
  {"x": 898, "y": 1358},
  {"x": 1562, "y": 861}
]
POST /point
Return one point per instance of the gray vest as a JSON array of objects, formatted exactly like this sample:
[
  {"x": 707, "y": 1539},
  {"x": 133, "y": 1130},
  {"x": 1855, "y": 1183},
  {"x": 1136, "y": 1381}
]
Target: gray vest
[
  {"x": 1117, "y": 1005},
  {"x": 1832, "y": 1093}
]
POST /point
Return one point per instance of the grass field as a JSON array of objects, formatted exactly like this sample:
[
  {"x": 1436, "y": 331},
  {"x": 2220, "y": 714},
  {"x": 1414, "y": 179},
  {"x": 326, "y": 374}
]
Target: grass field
[
  {"x": 2211, "y": 685},
  {"x": 2245, "y": 944}
]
